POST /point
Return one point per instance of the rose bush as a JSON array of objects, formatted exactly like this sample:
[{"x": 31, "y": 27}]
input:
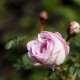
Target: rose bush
[{"x": 49, "y": 50}]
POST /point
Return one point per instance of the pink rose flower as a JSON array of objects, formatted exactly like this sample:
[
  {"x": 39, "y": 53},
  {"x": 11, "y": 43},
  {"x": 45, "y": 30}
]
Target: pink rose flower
[
  {"x": 49, "y": 50},
  {"x": 73, "y": 28}
]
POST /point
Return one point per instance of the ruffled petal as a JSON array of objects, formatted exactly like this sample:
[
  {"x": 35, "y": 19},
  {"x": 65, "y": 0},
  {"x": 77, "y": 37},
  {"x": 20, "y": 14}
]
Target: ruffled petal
[
  {"x": 33, "y": 57},
  {"x": 42, "y": 56},
  {"x": 29, "y": 44},
  {"x": 66, "y": 47},
  {"x": 60, "y": 57}
]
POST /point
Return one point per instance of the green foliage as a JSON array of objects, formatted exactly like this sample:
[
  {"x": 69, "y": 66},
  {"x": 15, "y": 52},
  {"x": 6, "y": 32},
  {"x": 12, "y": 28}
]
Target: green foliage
[
  {"x": 27, "y": 63},
  {"x": 15, "y": 42},
  {"x": 79, "y": 73},
  {"x": 76, "y": 1},
  {"x": 2, "y": 78},
  {"x": 39, "y": 74},
  {"x": 19, "y": 23},
  {"x": 24, "y": 63},
  {"x": 67, "y": 12},
  {"x": 72, "y": 70},
  {"x": 2, "y": 3}
]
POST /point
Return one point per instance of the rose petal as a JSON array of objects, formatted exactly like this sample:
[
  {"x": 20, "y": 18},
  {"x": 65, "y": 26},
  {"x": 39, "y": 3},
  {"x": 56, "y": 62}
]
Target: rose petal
[
  {"x": 66, "y": 47},
  {"x": 50, "y": 61},
  {"x": 58, "y": 45},
  {"x": 33, "y": 57},
  {"x": 29, "y": 44},
  {"x": 45, "y": 55},
  {"x": 61, "y": 57},
  {"x": 37, "y": 64}
]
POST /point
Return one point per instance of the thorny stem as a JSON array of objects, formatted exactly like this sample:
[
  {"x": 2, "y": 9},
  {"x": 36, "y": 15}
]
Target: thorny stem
[{"x": 42, "y": 27}]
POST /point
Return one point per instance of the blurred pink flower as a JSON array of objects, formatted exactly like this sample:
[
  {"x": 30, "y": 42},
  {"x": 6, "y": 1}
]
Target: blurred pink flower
[
  {"x": 43, "y": 17},
  {"x": 49, "y": 50},
  {"x": 73, "y": 28}
]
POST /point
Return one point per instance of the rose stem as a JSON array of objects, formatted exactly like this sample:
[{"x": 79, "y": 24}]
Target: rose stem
[
  {"x": 42, "y": 27},
  {"x": 68, "y": 38},
  {"x": 59, "y": 76},
  {"x": 49, "y": 73}
]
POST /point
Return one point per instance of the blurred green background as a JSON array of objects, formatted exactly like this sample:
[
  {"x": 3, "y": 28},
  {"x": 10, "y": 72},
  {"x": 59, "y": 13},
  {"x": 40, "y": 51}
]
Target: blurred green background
[{"x": 20, "y": 23}]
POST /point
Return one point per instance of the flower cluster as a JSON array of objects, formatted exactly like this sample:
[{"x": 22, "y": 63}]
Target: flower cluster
[{"x": 50, "y": 49}]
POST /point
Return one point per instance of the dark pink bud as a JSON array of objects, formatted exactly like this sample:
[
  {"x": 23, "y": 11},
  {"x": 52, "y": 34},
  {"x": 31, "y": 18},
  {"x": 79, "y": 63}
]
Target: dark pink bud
[{"x": 43, "y": 17}]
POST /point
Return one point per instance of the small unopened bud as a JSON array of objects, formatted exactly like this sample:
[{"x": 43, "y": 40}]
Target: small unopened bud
[
  {"x": 73, "y": 28},
  {"x": 43, "y": 17}
]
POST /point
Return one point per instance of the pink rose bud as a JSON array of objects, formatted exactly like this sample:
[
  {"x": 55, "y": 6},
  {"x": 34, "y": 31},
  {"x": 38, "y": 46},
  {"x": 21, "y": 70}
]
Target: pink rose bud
[
  {"x": 49, "y": 50},
  {"x": 43, "y": 17},
  {"x": 73, "y": 28}
]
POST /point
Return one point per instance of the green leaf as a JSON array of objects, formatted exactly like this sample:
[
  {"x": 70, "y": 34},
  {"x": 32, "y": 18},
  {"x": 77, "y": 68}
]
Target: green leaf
[
  {"x": 24, "y": 62},
  {"x": 9, "y": 44},
  {"x": 18, "y": 65},
  {"x": 72, "y": 70},
  {"x": 15, "y": 42},
  {"x": 77, "y": 65},
  {"x": 27, "y": 63},
  {"x": 79, "y": 73},
  {"x": 73, "y": 58}
]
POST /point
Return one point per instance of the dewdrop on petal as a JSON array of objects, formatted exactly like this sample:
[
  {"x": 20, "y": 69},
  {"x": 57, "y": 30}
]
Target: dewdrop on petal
[{"x": 73, "y": 28}]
